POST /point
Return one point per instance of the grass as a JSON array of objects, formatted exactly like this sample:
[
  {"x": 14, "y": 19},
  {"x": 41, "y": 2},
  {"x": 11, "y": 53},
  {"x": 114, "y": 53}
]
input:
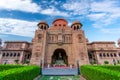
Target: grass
[{"x": 59, "y": 78}]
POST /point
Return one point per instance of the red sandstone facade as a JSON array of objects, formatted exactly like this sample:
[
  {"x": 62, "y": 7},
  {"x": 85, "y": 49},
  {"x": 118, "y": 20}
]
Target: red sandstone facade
[{"x": 59, "y": 42}]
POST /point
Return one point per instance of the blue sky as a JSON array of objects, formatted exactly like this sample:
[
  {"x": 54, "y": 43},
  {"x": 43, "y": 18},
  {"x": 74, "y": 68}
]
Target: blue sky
[{"x": 100, "y": 18}]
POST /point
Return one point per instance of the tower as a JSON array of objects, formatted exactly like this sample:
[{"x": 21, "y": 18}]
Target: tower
[
  {"x": 0, "y": 41},
  {"x": 119, "y": 42}
]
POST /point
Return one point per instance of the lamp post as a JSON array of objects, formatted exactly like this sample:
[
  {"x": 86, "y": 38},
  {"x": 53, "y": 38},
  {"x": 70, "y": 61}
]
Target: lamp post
[
  {"x": 78, "y": 67},
  {"x": 40, "y": 67}
]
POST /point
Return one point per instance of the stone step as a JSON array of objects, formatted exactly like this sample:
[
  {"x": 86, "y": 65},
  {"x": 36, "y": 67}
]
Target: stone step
[{"x": 59, "y": 71}]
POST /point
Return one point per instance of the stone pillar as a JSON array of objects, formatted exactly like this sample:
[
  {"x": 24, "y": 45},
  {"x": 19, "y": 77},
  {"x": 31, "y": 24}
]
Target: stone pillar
[
  {"x": 21, "y": 57},
  {"x": 0, "y": 57}
]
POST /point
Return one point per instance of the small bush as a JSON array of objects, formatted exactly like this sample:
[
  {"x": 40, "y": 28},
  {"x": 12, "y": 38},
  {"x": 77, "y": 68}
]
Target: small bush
[{"x": 106, "y": 62}]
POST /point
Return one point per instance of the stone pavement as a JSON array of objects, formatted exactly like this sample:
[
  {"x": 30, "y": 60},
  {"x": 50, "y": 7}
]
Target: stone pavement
[{"x": 58, "y": 78}]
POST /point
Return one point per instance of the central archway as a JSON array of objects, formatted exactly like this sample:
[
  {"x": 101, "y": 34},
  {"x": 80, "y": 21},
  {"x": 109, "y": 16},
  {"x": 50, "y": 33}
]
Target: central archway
[{"x": 59, "y": 55}]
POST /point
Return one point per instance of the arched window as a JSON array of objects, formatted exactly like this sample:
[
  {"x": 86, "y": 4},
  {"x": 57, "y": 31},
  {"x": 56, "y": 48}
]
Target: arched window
[
  {"x": 115, "y": 55},
  {"x": 3, "y": 55},
  {"x": 44, "y": 27},
  {"x": 52, "y": 38},
  {"x": 77, "y": 26},
  {"x": 55, "y": 24},
  {"x": 39, "y": 37},
  {"x": 104, "y": 55},
  {"x": 111, "y": 55},
  {"x": 41, "y": 26},
  {"x": 119, "y": 54},
  {"x": 74, "y": 28},
  {"x": 18, "y": 54},
  {"x": 64, "y": 25},
  {"x": 7, "y": 54},
  {"x": 14, "y": 54},
  {"x": 10, "y": 54},
  {"x": 59, "y": 24},
  {"x": 107, "y": 54},
  {"x": 100, "y": 55}
]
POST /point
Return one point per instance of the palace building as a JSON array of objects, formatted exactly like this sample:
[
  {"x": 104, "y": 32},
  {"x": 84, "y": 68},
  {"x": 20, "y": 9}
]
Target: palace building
[{"x": 60, "y": 45}]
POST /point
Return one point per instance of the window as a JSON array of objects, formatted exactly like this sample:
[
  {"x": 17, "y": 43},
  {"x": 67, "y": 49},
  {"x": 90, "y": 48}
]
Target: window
[
  {"x": 119, "y": 54},
  {"x": 107, "y": 54},
  {"x": 10, "y": 54},
  {"x": 100, "y": 55},
  {"x": 64, "y": 25},
  {"x": 59, "y": 24},
  {"x": 104, "y": 55},
  {"x": 3, "y": 55},
  {"x": 55, "y": 25},
  {"x": 77, "y": 26},
  {"x": 111, "y": 55},
  {"x": 115, "y": 55},
  {"x": 41, "y": 26},
  {"x": 14, "y": 54},
  {"x": 39, "y": 37},
  {"x": 74, "y": 28},
  {"x": 18, "y": 54},
  {"x": 7, "y": 54}
]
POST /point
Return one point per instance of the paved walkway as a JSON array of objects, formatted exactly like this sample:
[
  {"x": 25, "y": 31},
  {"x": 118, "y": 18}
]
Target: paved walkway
[{"x": 59, "y": 78}]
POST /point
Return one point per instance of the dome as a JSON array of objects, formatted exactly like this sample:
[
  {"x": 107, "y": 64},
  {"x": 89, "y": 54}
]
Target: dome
[
  {"x": 60, "y": 19},
  {"x": 119, "y": 41},
  {"x": 0, "y": 41},
  {"x": 42, "y": 22},
  {"x": 76, "y": 22}
]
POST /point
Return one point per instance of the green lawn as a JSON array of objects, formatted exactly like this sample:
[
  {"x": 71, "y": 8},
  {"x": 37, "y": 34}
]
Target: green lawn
[{"x": 59, "y": 78}]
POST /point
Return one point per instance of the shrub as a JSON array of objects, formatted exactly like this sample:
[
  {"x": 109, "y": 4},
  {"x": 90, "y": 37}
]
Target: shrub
[
  {"x": 16, "y": 61},
  {"x": 99, "y": 73},
  {"x": 6, "y": 67},
  {"x": 27, "y": 62},
  {"x": 23, "y": 73},
  {"x": 106, "y": 62}
]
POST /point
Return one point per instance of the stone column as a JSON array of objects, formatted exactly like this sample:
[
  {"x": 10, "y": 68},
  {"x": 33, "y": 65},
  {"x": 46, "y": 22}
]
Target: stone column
[
  {"x": 0, "y": 57},
  {"x": 21, "y": 57}
]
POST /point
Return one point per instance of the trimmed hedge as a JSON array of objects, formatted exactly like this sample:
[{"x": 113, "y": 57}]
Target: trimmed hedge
[
  {"x": 6, "y": 67},
  {"x": 23, "y": 73},
  {"x": 111, "y": 67},
  {"x": 99, "y": 73}
]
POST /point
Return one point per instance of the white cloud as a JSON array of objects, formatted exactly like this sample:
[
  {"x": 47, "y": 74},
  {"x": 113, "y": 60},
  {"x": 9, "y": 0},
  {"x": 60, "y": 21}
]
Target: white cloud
[
  {"x": 109, "y": 9},
  {"x": 104, "y": 14},
  {"x": 17, "y": 27},
  {"x": 111, "y": 30},
  {"x": 77, "y": 7},
  {"x": 21, "y": 5},
  {"x": 53, "y": 12}
]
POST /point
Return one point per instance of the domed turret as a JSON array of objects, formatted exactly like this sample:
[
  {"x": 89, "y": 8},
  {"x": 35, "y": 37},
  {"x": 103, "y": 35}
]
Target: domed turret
[
  {"x": 76, "y": 25},
  {"x": 119, "y": 42},
  {"x": 0, "y": 41},
  {"x": 43, "y": 25}
]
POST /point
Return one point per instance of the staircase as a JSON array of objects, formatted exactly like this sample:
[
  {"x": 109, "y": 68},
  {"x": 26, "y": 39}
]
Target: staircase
[{"x": 59, "y": 71}]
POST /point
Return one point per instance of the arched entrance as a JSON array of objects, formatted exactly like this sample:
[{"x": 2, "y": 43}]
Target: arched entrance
[{"x": 59, "y": 57}]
